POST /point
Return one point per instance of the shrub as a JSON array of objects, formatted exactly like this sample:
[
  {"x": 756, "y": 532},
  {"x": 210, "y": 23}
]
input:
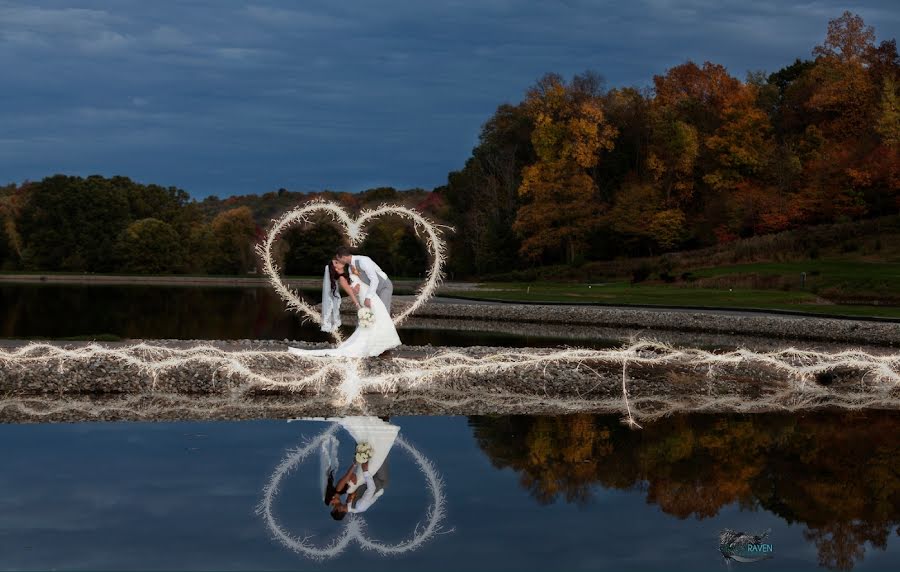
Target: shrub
[{"x": 640, "y": 274}]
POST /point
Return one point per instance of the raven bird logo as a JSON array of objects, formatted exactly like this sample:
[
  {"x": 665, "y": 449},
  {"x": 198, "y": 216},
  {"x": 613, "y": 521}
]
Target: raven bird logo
[{"x": 743, "y": 547}]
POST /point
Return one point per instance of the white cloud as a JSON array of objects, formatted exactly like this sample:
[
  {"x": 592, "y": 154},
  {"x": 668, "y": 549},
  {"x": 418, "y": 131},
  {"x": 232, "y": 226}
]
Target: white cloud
[
  {"x": 301, "y": 20},
  {"x": 169, "y": 37},
  {"x": 91, "y": 31}
]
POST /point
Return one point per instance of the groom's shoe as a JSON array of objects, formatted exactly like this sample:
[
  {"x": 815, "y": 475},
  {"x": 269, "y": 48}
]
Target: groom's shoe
[{"x": 385, "y": 355}]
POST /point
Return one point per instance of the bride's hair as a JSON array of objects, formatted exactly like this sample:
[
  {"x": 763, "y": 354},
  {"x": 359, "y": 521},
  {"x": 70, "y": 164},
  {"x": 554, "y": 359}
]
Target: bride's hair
[
  {"x": 335, "y": 276},
  {"x": 330, "y": 489}
]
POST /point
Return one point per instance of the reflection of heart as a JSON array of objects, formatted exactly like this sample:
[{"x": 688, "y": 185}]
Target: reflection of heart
[
  {"x": 355, "y": 527},
  {"x": 353, "y": 228}
]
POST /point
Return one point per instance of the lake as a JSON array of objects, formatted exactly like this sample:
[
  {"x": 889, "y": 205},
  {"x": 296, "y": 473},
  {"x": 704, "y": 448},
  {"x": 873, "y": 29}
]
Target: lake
[
  {"x": 578, "y": 492},
  {"x": 575, "y": 492},
  {"x": 193, "y": 312}
]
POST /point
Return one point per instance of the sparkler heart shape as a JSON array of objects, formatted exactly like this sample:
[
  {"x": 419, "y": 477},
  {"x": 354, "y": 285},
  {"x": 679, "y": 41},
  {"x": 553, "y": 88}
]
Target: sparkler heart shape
[
  {"x": 354, "y": 529},
  {"x": 354, "y": 230}
]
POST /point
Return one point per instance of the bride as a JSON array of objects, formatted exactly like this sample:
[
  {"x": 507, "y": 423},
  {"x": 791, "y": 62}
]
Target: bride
[{"x": 369, "y": 341}]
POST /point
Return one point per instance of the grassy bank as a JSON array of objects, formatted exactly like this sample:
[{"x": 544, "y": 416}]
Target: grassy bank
[
  {"x": 849, "y": 268},
  {"x": 845, "y": 286}
]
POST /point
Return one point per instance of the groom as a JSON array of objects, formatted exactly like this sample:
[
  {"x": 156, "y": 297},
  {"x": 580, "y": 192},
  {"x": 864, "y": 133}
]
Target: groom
[{"x": 374, "y": 277}]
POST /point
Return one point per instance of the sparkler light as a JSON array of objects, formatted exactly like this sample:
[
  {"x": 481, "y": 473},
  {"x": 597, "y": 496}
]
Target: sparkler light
[
  {"x": 159, "y": 370},
  {"x": 355, "y": 528},
  {"x": 423, "y": 228}
]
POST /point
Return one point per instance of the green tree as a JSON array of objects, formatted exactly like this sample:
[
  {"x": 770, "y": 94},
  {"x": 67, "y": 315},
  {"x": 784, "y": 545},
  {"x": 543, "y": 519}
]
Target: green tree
[
  {"x": 379, "y": 245},
  {"x": 150, "y": 246},
  {"x": 482, "y": 198},
  {"x": 234, "y": 233},
  {"x": 310, "y": 249},
  {"x": 70, "y": 223},
  {"x": 888, "y": 123}
]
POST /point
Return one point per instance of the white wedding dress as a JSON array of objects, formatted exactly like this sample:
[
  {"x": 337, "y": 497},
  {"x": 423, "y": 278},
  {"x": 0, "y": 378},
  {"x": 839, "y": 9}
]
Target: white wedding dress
[
  {"x": 364, "y": 342},
  {"x": 378, "y": 433}
]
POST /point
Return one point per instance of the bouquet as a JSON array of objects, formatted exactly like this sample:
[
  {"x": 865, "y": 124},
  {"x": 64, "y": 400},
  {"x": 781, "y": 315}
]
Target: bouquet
[
  {"x": 363, "y": 453},
  {"x": 366, "y": 316}
]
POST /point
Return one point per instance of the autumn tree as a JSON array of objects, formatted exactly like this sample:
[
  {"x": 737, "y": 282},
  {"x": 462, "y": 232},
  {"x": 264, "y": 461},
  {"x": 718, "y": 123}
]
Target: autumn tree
[
  {"x": 641, "y": 217},
  {"x": 560, "y": 195},
  {"x": 711, "y": 135},
  {"x": 850, "y": 169},
  {"x": 846, "y": 98}
]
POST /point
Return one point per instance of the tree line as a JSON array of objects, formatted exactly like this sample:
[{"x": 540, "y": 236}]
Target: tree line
[
  {"x": 574, "y": 172},
  {"x": 98, "y": 224},
  {"x": 577, "y": 172}
]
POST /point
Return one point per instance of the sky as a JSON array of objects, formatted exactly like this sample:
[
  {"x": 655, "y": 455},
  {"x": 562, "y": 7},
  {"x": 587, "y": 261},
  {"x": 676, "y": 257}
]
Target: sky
[{"x": 222, "y": 97}]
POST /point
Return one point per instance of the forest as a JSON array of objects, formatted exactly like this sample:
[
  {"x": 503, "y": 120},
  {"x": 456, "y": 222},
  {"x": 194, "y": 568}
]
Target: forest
[{"x": 575, "y": 172}]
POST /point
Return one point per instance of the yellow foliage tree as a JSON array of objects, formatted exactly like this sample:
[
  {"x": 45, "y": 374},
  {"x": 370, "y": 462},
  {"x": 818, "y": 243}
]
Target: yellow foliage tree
[
  {"x": 673, "y": 154},
  {"x": 569, "y": 132},
  {"x": 888, "y": 125},
  {"x": 639, "y": 213}
]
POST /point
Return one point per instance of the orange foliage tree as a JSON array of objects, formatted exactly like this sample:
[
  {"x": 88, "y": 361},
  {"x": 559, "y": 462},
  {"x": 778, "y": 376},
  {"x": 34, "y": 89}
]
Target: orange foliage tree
[{"x": 569, "y": 131}]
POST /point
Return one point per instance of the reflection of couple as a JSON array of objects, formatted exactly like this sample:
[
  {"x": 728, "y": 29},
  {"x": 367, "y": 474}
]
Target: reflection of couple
[
  {"x": 362, "y": 483},
  {"x": 361, "y": 279}
]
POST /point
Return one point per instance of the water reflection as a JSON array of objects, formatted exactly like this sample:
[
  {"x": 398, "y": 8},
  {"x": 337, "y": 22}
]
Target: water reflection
[
  {"x": 361, "y": 487},
  {"x": 364, "y": 481},
  {"x": 837, "y": 474},
  {"x": 147, "y": 312},
  {"x": 199, "y": 312}
]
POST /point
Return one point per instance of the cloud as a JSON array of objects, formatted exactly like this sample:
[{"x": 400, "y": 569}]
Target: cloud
[
  {"x": 296, "y": 19},
  {"x": 89, "y": 30},
  {"x": 338, "y": 95},
  {"x": 169, "y": 37}
]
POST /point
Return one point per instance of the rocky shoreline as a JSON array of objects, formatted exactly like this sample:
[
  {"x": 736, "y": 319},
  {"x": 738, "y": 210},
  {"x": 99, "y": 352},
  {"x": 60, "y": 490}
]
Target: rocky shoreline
[
  {"x": 726, "y": 323},
  {"x": 689, "y": 361},
  {"x": 241, "y": 379}
]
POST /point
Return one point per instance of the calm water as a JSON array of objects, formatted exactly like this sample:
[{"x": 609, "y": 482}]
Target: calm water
[
  {"x": 523, "y": 493},
  {"x": 172, "y": 312}
]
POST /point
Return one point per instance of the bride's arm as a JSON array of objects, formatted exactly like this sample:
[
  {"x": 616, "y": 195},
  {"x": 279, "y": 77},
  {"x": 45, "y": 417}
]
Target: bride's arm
[
  {"x": 342, "y": 482},
  {"x": 350, "y": 291}
]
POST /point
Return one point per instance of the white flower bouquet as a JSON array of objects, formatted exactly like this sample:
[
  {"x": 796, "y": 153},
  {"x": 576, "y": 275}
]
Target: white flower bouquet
[
  {"x": 366, "y": 316},
  {"x": 363, "y": 453}
]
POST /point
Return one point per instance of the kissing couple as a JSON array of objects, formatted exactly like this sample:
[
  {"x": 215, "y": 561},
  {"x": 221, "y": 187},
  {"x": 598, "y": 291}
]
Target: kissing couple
[{"x": 368, "y": 286}]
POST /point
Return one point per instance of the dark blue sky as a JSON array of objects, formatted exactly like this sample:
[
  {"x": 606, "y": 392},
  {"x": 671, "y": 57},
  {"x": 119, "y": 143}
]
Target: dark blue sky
[{"x": 221, "y": 97}]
